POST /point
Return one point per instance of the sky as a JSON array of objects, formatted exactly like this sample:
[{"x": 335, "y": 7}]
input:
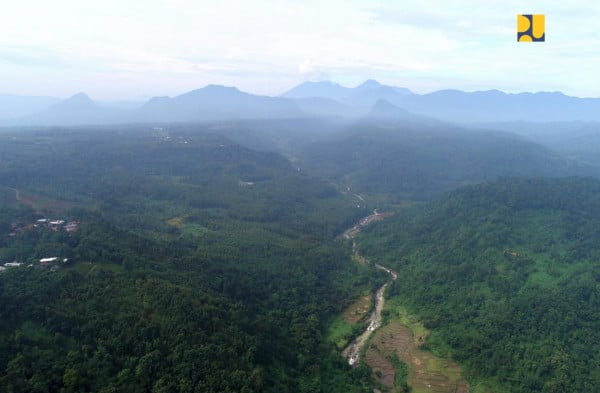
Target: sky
[{"x": 132, "y": 50}]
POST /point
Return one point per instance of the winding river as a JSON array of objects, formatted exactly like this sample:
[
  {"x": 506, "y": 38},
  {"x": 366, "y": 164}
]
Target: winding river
[{"x": 353, "y": 350}]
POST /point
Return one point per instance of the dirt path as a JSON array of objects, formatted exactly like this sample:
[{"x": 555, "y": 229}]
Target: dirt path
[
  {"x": 40, "y": 203},
  {"x": 17, "y": 193},
  {"x": 28, "y": 201}
]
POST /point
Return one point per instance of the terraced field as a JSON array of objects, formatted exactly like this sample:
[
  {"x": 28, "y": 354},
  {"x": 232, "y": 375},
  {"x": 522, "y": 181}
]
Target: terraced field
[
  {"x": 359, "y": 309},
  {"x": 426, "y": 372}
]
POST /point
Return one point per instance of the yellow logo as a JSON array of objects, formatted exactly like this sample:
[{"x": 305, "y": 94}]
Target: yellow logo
[{"x": 531, "y": 28}]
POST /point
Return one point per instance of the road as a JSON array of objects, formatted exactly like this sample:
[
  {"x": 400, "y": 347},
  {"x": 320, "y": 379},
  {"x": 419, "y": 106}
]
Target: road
[{"x": 17, "y": 193}]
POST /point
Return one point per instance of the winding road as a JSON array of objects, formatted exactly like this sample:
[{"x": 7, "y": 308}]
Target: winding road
[
  {"x": 353, "y": 350},
  {"x": 17, "y": 193}
]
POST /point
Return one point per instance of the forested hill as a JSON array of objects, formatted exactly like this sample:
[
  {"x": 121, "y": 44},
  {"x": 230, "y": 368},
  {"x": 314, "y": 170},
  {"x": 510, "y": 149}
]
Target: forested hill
[
  {"x": 197, "y": 265},
  {"x": 507, "y": 276},
  {"x": 420, "y": 161}
]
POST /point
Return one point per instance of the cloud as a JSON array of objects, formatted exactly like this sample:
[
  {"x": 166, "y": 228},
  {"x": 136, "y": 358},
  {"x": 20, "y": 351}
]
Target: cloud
[
  {"x": 310, "y": 70},
  {"x": 268, "y": 45},
  {"x": 30, "y": 57}
]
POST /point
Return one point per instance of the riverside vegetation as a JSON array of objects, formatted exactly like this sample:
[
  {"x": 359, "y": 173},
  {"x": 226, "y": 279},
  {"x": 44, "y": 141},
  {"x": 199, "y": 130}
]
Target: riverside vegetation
[
  {"x": 506, "y": 276},
  {"x": 185, "y": 278},
  {"x": 207, "y": 260}
]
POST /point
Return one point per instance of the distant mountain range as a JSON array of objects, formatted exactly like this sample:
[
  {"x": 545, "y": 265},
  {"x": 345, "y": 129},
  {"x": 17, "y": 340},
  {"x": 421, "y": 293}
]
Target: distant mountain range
[
  {"x": 310, "y": 99},
  {"x": 217, "y": 103},
  {"x": 459, "y": 106},
  {"x": 14, "y": 106},
  {"x": 366, "y": 93},
  {"x": 384, "y": 112}
]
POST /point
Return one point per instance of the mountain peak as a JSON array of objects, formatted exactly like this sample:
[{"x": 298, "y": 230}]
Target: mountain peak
[
  {"x": 383, "y": 103},
  {"x": 78, "y": 101},
  {"x": 213, "y": 87},
  {"x": 211, "y": 91},
  {"x": 385, "y": 111},
  {"x": 369, "y": 84},
  {"x": 79, "y": 97},
  {"x": 325, "y": 89},
  {"x": 383, "y": 108}
]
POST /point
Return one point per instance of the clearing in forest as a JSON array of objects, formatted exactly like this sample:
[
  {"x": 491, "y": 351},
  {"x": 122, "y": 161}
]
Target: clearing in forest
[
  {"x": 359, "y": 309},
  {"x": 36, "y": 202},
  {"x": 426, "y": 372},
  {"x": 343, "y": 328}
]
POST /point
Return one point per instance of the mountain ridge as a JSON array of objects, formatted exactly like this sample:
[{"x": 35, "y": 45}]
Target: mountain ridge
[{"x": 313, "y": 99}]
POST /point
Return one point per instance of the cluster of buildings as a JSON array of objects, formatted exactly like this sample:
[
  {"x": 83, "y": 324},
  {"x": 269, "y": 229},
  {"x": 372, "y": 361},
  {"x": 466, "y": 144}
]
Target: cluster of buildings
[
  {"x": 57, "y": 225},
  {"x": 44, "y": 262},
  {"x": 48, "y": 261},
  {"x": 44, "y": 223},
  {"x": 9, "y": 265}
]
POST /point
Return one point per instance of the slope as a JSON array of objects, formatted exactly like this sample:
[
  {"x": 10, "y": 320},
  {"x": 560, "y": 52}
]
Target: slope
[
  {"x": 199, "y": 265},
  {"x": 419, "y": 158},
  {"x": 216, "y": 103},
  {"x": 506, "y": 275}
]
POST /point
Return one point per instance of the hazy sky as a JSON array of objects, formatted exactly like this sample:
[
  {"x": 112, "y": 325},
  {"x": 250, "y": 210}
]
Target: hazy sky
[{"x": 119, "y": 49}]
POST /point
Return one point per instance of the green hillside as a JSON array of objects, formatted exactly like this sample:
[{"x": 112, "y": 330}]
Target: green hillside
[
  {"x": 199, "y": 265},
  {"x": 507, "y": 276},
  {"x": 422, "y": 161}
]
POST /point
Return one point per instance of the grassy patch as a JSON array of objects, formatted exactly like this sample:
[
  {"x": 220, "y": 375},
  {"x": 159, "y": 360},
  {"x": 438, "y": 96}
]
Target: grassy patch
[
  {"x": 487, "y": 386},
  {"x": 177, "y": 222},
  {"x": 357, "y": 258},
  {"x": 340, "y": 332},
  {"x": 419, "y": 332},
  {"x": 358, "y": 310},
  {"x": 195, "y": 230},
  {"x": 401, "y": 377},
  {"x": 87, "y": 268}
]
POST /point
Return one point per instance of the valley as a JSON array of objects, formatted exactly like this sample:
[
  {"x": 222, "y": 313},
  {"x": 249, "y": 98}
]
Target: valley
[
  {"x": 222, "y": 241},
  {"x": 353, "y": 351},
  {"x": 389, "y": 345},
  {"x": 496, "y": 312},
  {"x": 237, "y": 280},
  {"x": 283, "y": 196},
  {"x": 419, "y": 370}
]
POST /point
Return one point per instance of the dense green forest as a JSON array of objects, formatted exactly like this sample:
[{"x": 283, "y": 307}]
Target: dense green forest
[
  {"x": 199, "y": 265},
  {"x": 400, "y": 160},
  {"x": 206, "y": 258},
  {"x": 404, "y": 161},
  {"x": 507, "y": 276}
]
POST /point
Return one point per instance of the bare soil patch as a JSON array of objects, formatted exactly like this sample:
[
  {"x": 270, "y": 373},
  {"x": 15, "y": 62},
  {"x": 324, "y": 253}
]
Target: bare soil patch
[
  {"x": 383, "y": 369},
  {"x": 427, "y": 373},
  {"x": 40, "y": 204},
  {"x": 358, "y": 310}
]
